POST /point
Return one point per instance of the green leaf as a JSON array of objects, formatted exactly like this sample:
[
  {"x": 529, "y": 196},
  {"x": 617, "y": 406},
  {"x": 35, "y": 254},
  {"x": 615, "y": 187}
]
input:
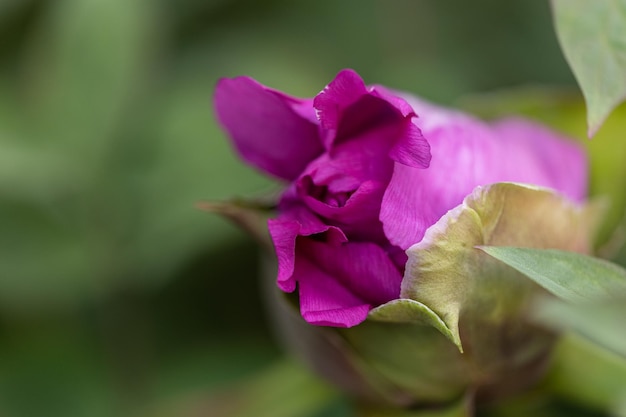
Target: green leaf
[
  {"x": 571, "y": 276},
  {"x": 591, "y": 34},
  {"x": 601, "y": 322},
  {"x": 591, "y": 372}
]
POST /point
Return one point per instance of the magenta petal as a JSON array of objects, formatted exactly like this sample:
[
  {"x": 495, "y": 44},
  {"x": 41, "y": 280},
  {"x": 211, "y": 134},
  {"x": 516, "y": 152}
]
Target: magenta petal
[
  {"x": 341, "y": 93},
  {"x": 361, "y": 156},
  {"x": 467, "y": 152},
  {"x": 270, "y": 130},
  {"x": 358, "y": 218},
  {"x": 293, "y": 210},
  {"x": 297, "y": 221},
  {"x": 284, "y": 233},
  {"x": 337, "y": 282},
  {"x": 346, "y": 186},
  {"x": 395, "y": 100},
  {"x": 341, "y": 317},
  {"x": 544, "y": 157},
  {"x": 463, "y": 156},
  {"x": 407, "y": 210},
  {"x": 348, "y": 108},
  {"x": 325, "y": 302},
  {"x": 411, "y": 149}
]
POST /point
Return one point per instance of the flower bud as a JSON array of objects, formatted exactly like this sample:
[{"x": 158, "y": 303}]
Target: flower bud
[{"x": 378, "y": 234}]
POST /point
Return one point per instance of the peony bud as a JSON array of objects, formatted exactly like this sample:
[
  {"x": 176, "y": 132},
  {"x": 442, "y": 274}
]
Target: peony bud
[{"x": 387, "y": 202}]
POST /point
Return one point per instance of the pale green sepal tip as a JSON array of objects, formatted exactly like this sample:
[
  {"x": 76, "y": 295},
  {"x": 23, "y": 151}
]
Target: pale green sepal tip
[{"x": 405, "y": 310}]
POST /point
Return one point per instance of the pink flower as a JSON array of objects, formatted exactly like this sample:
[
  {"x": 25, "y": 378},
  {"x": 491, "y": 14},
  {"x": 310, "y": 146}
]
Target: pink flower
[{"x": 369, "y": 170}]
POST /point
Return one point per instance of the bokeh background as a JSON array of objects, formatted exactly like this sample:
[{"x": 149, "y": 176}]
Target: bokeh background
[{"x": 117, "y": 296}]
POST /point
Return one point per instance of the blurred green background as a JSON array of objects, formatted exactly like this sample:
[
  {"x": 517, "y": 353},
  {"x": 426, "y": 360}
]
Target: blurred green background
[{"x": 117, "y": 296}]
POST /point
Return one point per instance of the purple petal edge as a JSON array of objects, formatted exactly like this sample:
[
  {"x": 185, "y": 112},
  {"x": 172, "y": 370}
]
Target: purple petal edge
[{"x": 269, "y": 129}]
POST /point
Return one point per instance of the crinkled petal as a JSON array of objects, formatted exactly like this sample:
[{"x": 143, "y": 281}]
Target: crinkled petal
[
  {"x": 337, "y": 281},
  {"x": 298, "y": 221},
  {"x": 324, "y": 301},
  {"x": 358, "y": 217},
  {"x": 359, "y": 159},
  {"x": 411, "y": 149},
  {"x": 270, "y": 130},
  {"x": 348, "y": 108},
  {"x": 339, "y": 94},
  {"x": 346, "y": 187},
  {"x": 394, "y": 99},
  {"x": 284, "y": 233}
]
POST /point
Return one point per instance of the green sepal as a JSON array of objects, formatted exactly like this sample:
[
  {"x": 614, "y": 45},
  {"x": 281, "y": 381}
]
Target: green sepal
[
  {"x": 416, "y": 359},
  {"x": 447, "y": 273},
  {"x": 483, "y": 302},
  {"x": 405, "y": 310}
]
